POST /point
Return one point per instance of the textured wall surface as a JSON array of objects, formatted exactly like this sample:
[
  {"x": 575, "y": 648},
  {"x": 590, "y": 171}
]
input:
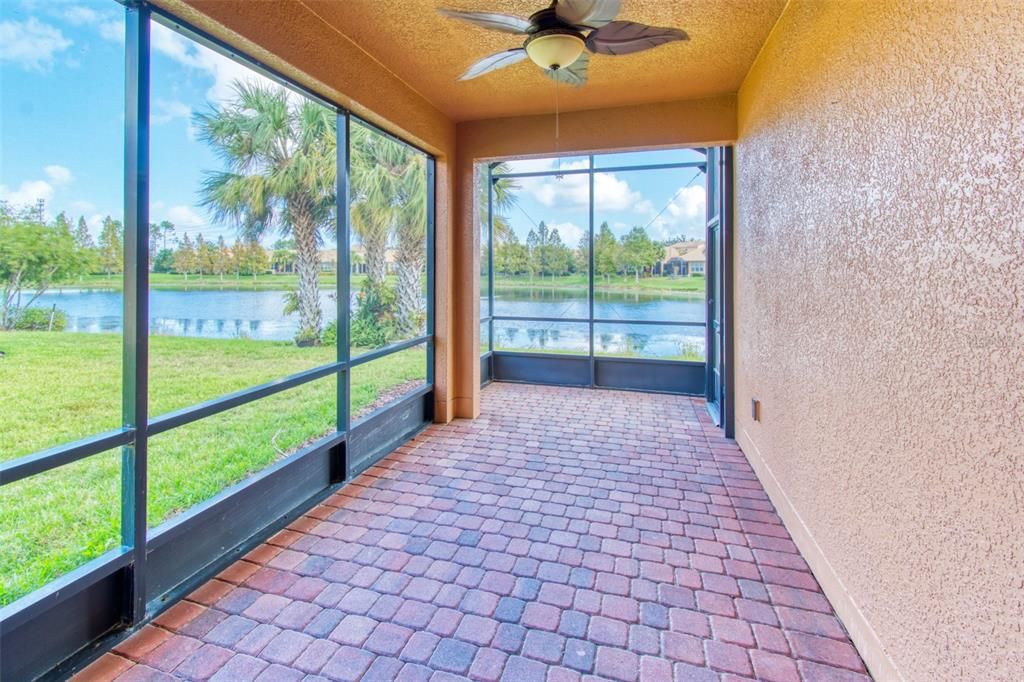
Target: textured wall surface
[{"x": 880, "y": 318}]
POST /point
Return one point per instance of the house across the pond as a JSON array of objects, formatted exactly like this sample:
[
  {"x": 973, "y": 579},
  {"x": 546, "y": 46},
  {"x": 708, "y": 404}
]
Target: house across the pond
[
  {"x": 683, "y": 259},
  {"x": 329, "y": 260}
]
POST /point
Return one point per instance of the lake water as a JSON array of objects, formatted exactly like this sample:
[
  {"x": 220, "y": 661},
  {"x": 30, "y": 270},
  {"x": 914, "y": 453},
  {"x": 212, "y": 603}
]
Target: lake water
[{"x": 260, "y": 315}]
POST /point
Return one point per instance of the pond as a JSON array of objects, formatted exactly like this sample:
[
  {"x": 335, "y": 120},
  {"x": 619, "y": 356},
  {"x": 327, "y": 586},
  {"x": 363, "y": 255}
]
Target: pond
[
  {"x": 610, "y": 338},
  {"x": 260, "y": 315}
]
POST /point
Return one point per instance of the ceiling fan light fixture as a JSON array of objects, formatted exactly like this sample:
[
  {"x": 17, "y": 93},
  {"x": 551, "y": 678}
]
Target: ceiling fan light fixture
[{"x": 554, "y": 48}]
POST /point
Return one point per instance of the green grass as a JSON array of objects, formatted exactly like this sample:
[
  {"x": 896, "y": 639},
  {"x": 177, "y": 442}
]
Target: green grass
[
  {"x": 56, "y": 388},
  {"x": 617, "y": 283}
]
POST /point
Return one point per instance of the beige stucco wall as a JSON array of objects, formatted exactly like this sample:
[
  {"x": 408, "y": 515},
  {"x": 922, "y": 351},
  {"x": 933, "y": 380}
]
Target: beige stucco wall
[{"x": 880, "y": 319}]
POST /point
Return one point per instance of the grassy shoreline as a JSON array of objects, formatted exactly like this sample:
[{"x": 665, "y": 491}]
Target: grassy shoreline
[
  {"x": 59, "y": 387},
  {"x": 286, "y": 282}
]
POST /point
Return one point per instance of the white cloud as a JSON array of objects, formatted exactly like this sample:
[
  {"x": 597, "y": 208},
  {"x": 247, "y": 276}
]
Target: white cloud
[
  {"x": 186, "y": 216},
  {"x": 684, "y": 215},
  {"x": 27, "y": 193},
  {"x": 95, "y": 223},
  {"x": 78, "y": 15},
  {"x": 112, "y": 30},
  {"x": 82, "y": 207},
  {"x": 223, "y": 70},
  {"x": 166, "y": 111},
  {"x": 31, "y": 44},
  {"x": 611, "y": 193},
  {"x": 571, "y": 233},
  {"x": 60, "y": 175}
]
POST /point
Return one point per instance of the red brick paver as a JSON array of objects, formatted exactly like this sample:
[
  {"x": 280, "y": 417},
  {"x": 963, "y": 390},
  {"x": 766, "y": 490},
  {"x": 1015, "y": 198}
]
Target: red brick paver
[{"x": 566, "y": 534}]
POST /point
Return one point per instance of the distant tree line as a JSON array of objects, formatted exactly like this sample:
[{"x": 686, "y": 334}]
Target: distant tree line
[
  {"x": 208, "y": 258},
  {"x": 35, "y": 255},
  {"x": 545, "y": 254}
]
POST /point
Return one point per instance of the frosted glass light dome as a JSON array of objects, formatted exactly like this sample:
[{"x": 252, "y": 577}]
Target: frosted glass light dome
[{"x": 554, "y": 50}]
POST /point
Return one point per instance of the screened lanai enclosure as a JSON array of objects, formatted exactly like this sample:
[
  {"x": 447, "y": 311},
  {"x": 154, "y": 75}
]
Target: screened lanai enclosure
[
  {"x": 180, "y": 400},
  {"x": 240, "y": 319},
  {"x": 414, "y": 340},
  {"x": 608, "y": 271}
]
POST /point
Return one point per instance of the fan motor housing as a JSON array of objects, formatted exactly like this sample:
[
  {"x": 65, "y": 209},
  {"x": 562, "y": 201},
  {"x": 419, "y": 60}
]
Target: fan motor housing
[
  {"x": 547, "y": 19},
  {"x": 549, "y": 41}
]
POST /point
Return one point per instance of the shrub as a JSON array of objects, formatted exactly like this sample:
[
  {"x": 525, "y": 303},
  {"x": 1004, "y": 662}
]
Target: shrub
[
  {"x": 329, "y": 337},
  {"x": 306, "y": 340},
  {"x": 372, "y": 326},
  {"x": 38, "y": 320}
]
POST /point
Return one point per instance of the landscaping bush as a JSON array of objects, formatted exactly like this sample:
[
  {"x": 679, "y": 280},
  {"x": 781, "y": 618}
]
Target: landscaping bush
[
  {"x": 372, "y": 326},
  {"x": 329, "y": 337},
  {"x": 38, "y": 320}
]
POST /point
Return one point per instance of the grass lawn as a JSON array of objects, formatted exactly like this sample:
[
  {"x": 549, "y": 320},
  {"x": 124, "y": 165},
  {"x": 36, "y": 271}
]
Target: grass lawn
[
  {"x": 618, "y": 283},
  {"x": 58, "y": 387}
]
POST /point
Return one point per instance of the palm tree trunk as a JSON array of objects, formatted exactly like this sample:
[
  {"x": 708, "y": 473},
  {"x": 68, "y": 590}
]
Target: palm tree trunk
[
  {"x": 307, "y": 265},
  {"x": 376, "y": 258},
  {"x": 410, "y": 274}
]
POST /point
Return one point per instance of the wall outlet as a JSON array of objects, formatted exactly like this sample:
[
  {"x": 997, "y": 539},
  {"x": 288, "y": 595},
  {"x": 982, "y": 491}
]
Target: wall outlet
[{"x": 755, "y": 409}]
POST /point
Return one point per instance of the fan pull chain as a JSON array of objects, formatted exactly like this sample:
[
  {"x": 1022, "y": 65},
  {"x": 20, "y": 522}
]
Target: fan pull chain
[{"x": 558, "y": 156}]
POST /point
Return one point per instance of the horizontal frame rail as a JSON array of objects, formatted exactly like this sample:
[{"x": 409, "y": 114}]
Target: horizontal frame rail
[
  {"x": 388, "y": 350},
  {"x": 664, "y": 323},
  {"x": 610, "y": 169},
  {"x": 172, "y": 420},
  {"x": 598, "y": 357},
  {"x": 597, "y": 320},
  {"x": 52, "y": 458},
  {"x": 55, "y": 457},
  {"x": 54, "y": 592}
]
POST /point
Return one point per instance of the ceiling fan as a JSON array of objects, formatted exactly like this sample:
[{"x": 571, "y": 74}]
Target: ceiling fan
[{"x": 557, "y": 36}]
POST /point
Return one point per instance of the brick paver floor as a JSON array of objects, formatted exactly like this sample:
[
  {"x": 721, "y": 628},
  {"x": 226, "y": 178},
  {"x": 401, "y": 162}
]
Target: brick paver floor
[{"x": 566, "y": 534}]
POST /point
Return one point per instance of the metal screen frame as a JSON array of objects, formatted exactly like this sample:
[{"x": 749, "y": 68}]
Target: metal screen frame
[
  {"x": 636, "y": 374},
  {"x": 66, "y": 623}
]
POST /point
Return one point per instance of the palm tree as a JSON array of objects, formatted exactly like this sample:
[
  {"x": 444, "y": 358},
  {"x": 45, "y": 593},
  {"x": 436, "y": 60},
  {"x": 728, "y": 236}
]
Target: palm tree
[
  {"x": 389, "y": 202},
  {"x": 281, "y": 161},
  {"x": 372, "y": 175},
  {"x": 504, "y": 199},
  {"x": 410, "y": 237}
]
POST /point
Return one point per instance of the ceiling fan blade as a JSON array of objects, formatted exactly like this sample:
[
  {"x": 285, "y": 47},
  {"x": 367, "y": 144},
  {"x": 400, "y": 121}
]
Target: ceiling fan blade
[
  {"x": 627, "y": 37},
  {"x": 588, "y": 13},
  {"x": 495, "y": 21},
  {"x": 574, "y": 74},
  {"x": 494, "y": 62}
]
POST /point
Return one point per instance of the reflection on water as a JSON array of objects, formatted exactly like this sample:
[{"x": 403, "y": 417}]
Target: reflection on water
[
  {"x": 611, "y": 305},
  {"x": 260, "y": 315},
  {"x": 622, "y": 340},
  {"x": 207, "y": 314}
]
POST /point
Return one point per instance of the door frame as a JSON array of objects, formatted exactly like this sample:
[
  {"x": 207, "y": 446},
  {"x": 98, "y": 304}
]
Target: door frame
[{"x": 721, "y": 403}]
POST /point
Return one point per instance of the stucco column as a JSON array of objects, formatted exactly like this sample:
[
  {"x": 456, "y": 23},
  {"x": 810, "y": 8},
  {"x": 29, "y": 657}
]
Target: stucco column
[{"x": 465, "y": 294}]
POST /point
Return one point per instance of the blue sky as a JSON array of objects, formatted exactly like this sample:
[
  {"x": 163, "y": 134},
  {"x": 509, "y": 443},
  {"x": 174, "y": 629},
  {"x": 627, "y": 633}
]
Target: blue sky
[
  {"x": 61, "y": 132},
  {"x": 668, "y": 203},
  {"x": 62, "y": 113}
]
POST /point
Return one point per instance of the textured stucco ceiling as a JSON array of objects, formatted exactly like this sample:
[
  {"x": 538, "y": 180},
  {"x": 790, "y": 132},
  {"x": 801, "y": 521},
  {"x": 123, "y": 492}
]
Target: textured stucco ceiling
[{"x": 429, "y": 53}]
